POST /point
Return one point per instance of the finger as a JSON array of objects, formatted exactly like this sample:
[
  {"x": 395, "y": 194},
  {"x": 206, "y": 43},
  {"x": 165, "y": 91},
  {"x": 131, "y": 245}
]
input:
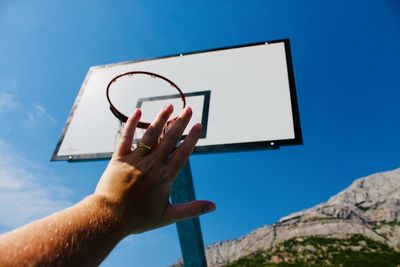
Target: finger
[
  {"x": 126, "y": 140},
  {"x": 174, "y": 134},
  {"x": 153, "y": 132},
  {"x": 182, "y": 153},
  {"x": 180, "y": 212}
]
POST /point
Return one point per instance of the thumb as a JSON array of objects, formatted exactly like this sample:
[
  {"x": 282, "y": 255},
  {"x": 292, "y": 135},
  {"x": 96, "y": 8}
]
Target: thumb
[{"x": 180, "y": 212}]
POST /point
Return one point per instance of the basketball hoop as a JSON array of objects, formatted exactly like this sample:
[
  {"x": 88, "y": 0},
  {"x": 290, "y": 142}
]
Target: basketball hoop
[{"x": 132, "y": 75}]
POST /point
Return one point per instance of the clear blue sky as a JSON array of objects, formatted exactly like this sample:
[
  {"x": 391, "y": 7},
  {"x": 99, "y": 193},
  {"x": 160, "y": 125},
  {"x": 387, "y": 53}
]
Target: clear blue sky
[{"x": 346, "y": 59}]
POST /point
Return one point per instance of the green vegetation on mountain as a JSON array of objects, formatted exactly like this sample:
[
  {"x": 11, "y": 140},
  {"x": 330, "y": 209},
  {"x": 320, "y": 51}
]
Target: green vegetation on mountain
[{"x": 356, "y": 251}]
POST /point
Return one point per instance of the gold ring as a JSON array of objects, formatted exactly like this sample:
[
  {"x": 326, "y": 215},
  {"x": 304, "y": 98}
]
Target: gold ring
[{"x": 144, "y": 146}]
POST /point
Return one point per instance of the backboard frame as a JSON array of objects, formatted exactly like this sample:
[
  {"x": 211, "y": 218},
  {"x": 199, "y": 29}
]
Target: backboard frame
[{"x": 236, "y": 147}]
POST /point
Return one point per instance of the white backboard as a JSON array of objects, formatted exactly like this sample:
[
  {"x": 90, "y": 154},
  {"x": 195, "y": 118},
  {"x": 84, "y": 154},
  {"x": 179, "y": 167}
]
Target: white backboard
[{"x": 244, "y": 96}]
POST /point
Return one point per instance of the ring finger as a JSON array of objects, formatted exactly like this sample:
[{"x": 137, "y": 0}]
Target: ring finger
[{"x": 153, "y": 132}]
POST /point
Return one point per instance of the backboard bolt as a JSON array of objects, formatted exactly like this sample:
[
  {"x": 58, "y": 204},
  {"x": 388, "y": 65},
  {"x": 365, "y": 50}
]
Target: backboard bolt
[
  {"x": 272, "y": 143},
  {"x": 70, "y": 157}
]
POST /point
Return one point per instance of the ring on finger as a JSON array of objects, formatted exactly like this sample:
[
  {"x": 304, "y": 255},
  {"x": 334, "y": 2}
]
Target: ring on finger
[{"x": 144, "y": 146}]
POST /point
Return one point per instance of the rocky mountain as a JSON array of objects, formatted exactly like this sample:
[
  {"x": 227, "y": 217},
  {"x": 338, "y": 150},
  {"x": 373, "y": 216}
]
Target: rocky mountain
[{"x": 362, "y": 219}]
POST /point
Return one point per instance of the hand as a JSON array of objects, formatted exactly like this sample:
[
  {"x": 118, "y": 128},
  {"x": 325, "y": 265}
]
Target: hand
[{"x": 138, "y": 183}]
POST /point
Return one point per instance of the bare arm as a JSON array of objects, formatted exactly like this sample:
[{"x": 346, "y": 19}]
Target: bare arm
[
  {"x": 132, "y": 196},
  {"x": 82, "y": 235}
]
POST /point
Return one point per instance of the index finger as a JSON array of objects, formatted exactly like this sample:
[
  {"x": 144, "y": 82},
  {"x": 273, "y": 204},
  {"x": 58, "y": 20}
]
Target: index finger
[{"x": 182, "y": 153}]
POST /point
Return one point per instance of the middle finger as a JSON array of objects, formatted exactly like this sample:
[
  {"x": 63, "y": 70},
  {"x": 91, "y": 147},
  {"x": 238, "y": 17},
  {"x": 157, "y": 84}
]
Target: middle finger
[{"x": 174, "y": 134}]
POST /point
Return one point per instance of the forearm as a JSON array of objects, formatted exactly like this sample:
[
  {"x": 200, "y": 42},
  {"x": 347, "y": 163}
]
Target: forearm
[
  {"x": 132, "y": 196},
  {"x": 82, "y": 235}
]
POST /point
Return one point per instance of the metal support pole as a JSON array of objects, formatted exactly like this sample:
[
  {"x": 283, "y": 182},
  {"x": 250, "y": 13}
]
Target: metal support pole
[{"x": 189, "y": 231}]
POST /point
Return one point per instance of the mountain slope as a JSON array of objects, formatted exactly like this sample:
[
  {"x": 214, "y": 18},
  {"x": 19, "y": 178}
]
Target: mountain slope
[
  {"x": 354, "y": 251},
  {"x": 369, "y": 208}
]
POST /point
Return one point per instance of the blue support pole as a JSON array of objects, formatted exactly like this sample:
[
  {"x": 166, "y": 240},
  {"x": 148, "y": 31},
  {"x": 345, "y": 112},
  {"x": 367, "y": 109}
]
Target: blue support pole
[{"x": 189, "y": 231}]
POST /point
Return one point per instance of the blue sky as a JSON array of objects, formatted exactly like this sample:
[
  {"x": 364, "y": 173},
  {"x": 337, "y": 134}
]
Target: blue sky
[{"x": 345, "y": 56}]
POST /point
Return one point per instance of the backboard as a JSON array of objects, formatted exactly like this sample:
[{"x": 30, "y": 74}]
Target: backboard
[{"x": 244, "y": 96}]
